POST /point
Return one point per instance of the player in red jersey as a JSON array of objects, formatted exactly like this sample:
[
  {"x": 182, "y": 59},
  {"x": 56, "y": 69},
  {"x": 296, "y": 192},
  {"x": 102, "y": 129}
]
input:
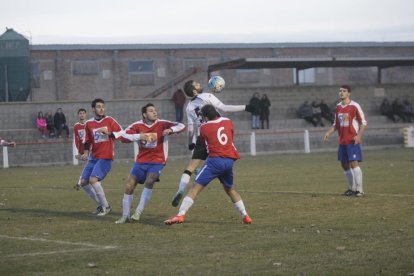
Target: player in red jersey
[
  {"x": 217, "y": 133},
  {"x": 151, "y": 134},
  {"x": 100, "y": 134},
  {"x": 78, "y": 134},
  {"x": 350, "y": 123}
]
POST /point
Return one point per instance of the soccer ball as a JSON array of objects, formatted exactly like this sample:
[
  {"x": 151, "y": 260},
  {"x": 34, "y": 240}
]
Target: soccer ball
[{"x": 216, "y": 84}]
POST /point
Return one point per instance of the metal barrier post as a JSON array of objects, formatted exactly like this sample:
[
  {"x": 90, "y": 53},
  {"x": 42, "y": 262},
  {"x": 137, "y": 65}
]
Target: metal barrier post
[
  {"x": 306, "y": 141},
  {"x": 5, "y": 158},
  {"x": 253, "y": 144}
]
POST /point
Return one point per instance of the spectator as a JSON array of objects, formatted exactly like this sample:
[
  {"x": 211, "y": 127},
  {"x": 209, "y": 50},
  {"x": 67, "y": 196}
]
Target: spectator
[
  {"x": 41, "y": 124},
  {"x": 386, "y": 110},
  {"x": 60, "y": 123},
  {"x": 50, "y": 125},
  {"x": 305, "y": 112},
  {"x": 264, "y": 114},
  {"x": 407, "y": 110},
  {"x": 255, "y": 103},
  {"x": 397, "y": 109},
  {"x": 179, "y": 100},
  {"x": 326, "y": 112},
  {"x": 317, "y": 113}
]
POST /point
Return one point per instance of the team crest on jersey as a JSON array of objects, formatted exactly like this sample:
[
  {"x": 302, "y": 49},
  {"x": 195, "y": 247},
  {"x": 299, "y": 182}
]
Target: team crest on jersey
[
  {"x": 81, "y": 133},
  {"x": 343, "y": 119},
  {"x": 99, "y": 137},
  {"x": 151, "y": 142}
]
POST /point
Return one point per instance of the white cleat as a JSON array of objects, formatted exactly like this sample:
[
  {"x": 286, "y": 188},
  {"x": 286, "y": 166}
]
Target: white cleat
[
  {"x": 136, "y": 217},
  {"x": 122, "y": 220}
]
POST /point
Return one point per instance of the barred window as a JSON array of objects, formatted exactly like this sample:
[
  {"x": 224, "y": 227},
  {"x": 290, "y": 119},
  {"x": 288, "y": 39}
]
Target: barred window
[
  {"x": 141, "y": 72},
  {"x": 85, "y": 67}
]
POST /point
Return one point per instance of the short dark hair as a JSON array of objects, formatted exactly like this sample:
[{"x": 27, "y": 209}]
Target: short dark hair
[
  {"x": 98, "y": 100},
  {"x": 188, "y": 88},
  {"x": 81, "y": 109},
  {"x": 347, "y": 87},
  {"x": 144, "y": 108},
  {"x": 209, "y": 111}
]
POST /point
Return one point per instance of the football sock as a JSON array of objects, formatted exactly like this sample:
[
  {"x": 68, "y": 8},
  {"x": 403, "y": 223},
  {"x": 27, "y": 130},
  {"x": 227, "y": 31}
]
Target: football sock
[
  {"x": 185, "y": 205},
  {"x": 350, "y": 177},
  {"x": 145, "y": 198},
  {"x": 100, "y": 194},
  {"x": 80, "y": 179},
  {"x": 126, "y": 205},
  {"x": 91, "y": 193},
  {"x": 185, "y": 179},
  {"x": 358, "y": 178},
  {"x": 239, "y": 205}
]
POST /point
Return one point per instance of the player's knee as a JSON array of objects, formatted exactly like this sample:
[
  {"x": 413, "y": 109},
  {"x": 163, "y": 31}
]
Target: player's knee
[{"x": 188, "y": 172}]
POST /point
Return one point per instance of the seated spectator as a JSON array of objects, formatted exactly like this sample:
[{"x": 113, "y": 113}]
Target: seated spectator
[
  {"x": 305, "y": 112},
  {"x": 50, "y": 125},
  {"x": 41, "y": 124},
  {"x": 326, "y": 112},
  {"x": 407, "y": 110},
  {"x": 397, "y": 109},
  {"x": 386, "y": 110},
  {"x": 317, "y": 113},
  {"x": 60, "y": 123}
]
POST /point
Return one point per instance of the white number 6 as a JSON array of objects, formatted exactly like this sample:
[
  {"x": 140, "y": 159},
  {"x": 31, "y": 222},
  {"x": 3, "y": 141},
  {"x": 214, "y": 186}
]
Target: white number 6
[{"x": 222, "y": 137}]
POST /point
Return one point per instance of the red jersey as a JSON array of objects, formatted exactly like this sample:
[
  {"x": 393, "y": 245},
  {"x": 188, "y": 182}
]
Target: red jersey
[
  {"x": 157, "y": 151},
  {"x": 79, "y": 133},
  {"x": 101, "y": 145},
  {"x": 218, "y": 135},
  {"x": 348, "y": 119}
]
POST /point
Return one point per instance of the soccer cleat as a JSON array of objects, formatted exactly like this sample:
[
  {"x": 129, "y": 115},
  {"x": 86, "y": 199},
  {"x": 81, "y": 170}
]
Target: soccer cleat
[
  {"x": 77, "y": 187},
  {"x": 104, "y": 211},
  {"x": 122, "y": 220},
  {"x": 358, "y": 194},
  {"x": 136, "y": 216},
  {"x": 177, "y": 198},
  {"x": 247, "y": 219},
  {"x": 348, "y": 193},
  {"x": 174, "y": 220},
  {"x": 97, "y": 211}
]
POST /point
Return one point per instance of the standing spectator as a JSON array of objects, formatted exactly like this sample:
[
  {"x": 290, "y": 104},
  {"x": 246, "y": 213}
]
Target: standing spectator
[
  {"x": 218, "y": 134},
  {"x": 179, "y": 100},
  {"x": 41, "y": 124},
  {"x": 264, "y": 108},
  {"x": 60, "y": 123},
  {"x": 151, "y": 134},
  {"x": 350, "y": 123},
  {"x": 326, "y": 112},
  {"x": 407, "y": 110},
  {"x": 305, "y": 112},
  {"x": 255, "y": 103},
  {"x": 397, "y": 109},
  {"x": 386, "y": 110},
  {"x": 317, "y": 113},
  {"x": 50, "y": 125}
]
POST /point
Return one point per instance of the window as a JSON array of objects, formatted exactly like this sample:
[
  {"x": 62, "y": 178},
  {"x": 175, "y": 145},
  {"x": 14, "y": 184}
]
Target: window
[
  {"x": 305, "y": 76},
  {"x": 141, "y": 72},
  {"x": 248, "y": 75},
  {"x": 85, "y": 67},
  {"x": 35, "y": 74}
]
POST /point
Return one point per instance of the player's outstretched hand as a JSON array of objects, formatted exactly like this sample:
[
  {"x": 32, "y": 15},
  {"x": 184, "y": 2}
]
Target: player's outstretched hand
[{"x": 249, "y": 108}]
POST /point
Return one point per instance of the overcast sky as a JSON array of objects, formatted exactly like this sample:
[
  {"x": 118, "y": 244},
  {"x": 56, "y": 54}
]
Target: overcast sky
[{"x": 208, "y": 21}]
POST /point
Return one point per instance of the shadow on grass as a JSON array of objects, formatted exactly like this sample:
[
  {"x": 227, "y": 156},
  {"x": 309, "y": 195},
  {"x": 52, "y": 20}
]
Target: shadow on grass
[{"x": 86, "y": 215}]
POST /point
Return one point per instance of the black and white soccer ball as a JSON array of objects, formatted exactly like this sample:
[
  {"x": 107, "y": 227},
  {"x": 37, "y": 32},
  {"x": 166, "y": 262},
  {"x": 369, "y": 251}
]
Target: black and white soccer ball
[{"x": 216, "y": 84}]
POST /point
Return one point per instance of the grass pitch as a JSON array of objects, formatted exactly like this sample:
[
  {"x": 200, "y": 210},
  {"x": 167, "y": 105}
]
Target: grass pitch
[{"x": 301, "y": 223}]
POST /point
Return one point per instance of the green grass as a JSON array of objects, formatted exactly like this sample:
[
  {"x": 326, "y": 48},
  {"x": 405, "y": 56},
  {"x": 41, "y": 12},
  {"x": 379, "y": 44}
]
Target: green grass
[{"x": 301, "y": 223}]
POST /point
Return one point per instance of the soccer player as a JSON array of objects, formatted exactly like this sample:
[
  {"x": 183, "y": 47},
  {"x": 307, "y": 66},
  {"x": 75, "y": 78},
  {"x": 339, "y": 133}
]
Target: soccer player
[
  {"x": 100, "y": 134},
  {"x": 350, "y": 123},
  {"x": 151, "y": 134},
  {"x": 79, "y": 134},
  {"x": 218, "y": 134},
  {"x": 5, "y": 143},
  {"x": 194, "y": 90}
]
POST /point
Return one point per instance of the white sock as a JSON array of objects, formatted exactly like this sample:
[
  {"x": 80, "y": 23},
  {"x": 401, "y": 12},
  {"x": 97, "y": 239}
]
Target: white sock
[
  {"x": 350, "y": 177},
  {"x": 126, "y": 205},
  {"x": 185, "y": 179},
  {"x": 145, "y": 198},
  {"x": 358, "y": 178},
  {"x": 239, "y": 205},
  {"x": 80, "y": 179},
  {"x": 100, "y": 194},
  {"x": 185, "y": 205},
  {"x": 91, "y": 193}
]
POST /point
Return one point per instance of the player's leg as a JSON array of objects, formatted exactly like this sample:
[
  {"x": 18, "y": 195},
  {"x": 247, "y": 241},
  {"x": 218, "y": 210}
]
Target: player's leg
[
  {"x": 86, "y": 187},
  {"x": 100, "y": 170},
  {"x": 127, "y": 199},
  {"x": 343, "y": 158},
  {"x": 355, "y": 156}
]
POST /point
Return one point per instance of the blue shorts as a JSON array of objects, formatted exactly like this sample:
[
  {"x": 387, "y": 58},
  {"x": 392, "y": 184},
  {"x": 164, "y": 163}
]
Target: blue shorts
[
  {"x": 348, "y": 153},
  {"x": 141, "y": 170},
  {"x": 98, "y": 168},
  {"x": 216, "y": 167}
]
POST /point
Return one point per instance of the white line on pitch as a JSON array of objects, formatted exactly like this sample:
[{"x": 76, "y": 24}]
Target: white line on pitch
[{"x": 48, "y": 252}]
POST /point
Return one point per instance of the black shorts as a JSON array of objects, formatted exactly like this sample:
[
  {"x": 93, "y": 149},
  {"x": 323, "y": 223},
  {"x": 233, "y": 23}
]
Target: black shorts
[{"x": 200, "y": 150}]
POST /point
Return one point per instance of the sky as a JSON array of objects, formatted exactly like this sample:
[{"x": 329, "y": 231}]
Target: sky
[{"x": 208, "y": 21}]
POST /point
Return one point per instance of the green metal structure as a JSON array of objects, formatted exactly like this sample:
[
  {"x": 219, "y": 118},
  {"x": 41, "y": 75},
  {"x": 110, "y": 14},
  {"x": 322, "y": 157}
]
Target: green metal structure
[{"x": 14, "y": 67}]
